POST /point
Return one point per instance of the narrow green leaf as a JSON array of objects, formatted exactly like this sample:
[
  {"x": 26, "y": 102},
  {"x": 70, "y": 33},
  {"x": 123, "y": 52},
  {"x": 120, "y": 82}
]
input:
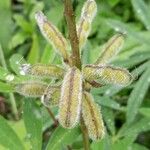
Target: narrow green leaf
[
  {"x": 142, "y": 11},
  {"x": 33, "y": 124},
  {"x": 15, "y": 62},
  {"x": 145, "y": 111},
  {"x": 3, "y": 73},
  {"x": 6, "y": 88},
  {"x": 106, "y": 101},
  {"x": 109, "y": 118},
  {"x": 137, "y": 96},
  {"x": 25, "y": 26},
  {"x": 48, "y": 55},
  {"x": 34, "y": 51},
  {"x": 8, "y": 137},
  {"x": 124, "y": 28},
  {"x": 132, "y": 131},
  {"x": 61, "y": 137},
  {"x": 18, "y": 39}
]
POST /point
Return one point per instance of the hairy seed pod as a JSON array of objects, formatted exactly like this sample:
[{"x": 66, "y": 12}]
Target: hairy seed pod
[
  {"x": 51, "y": 96},
  {"x": 52, "y": 34},
  {"x": 111, "y": 49},
  {"x": 42, "y": 70},
  {"x": 107, "y": 75},
  {"x": 84, "y": 24},
  {"x": 92, "y": 117},
  {"x": 31, "y": 89},
  {"x": 70, "y": 100}
]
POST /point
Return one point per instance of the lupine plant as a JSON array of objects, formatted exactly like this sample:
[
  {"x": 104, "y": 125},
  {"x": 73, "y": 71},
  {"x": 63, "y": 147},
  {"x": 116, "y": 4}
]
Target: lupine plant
[{"x": 68, "y": 86}]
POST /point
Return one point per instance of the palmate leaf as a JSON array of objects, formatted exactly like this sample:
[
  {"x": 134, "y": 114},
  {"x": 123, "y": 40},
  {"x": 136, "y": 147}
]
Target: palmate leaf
[{"x": 137, "y": 96}]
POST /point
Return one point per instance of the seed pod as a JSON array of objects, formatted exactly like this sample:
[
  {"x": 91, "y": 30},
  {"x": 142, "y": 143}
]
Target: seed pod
[
  {"x": 92, "y": 117},
  {"x": 111, "y": 49},
  {"x": 70, "y": 100},
  {"x": 51, "y": 96},
  {"x": 107, "y": 75},
  {"x": 52, "y": 34},
  {"x": 42, "y": 70},
  {"x": 84, "y": 24},
  {"x": 31, "y": 89}
]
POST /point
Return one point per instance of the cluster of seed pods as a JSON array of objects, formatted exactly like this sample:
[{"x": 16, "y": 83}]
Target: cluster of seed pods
[{"x": 70, "y": 94}]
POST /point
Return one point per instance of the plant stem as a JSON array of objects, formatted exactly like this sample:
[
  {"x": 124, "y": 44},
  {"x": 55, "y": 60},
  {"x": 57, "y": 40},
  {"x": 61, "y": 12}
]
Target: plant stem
[
  {"x": 84, "y": 135},
  {"x": 52, "y": 116},
  {"x": 11, "y": 95},
  {"x": 70, "y": 18},
  {"x": 76, "y": 61}
]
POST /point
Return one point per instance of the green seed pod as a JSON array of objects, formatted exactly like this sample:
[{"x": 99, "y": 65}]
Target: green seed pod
[
  {"x": 52, "y": 34},
  {"x": 107, "y": 75},
  {"x": 92, "y": 117},
  {"x": 111, "y": 49},
  {"x": 70, "y": 100},
  {"x": 42, "y": 70},
  {"x": 51, "y": 96},
  {"x": 84, "y": 24},
  {"x": 31, "y": 89}
]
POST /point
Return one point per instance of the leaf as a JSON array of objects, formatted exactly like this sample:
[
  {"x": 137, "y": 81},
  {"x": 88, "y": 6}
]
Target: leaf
[
  {"x": 142, "y": 11},
  {"x": 33, "y": 124},
  {"x": 124, "y": 28},
  {"x": 48, "y": 55},
  {"x": 5, "y": 87},
  {"x": 21, "y": 22},
  {"x": 3, "y": 73},
  {"x": 18, "y": 39},
  {"x": 8, "y": 137},
  {"x": 6, "y": 23},
  {"x": 145, "y": 111},
  {"x": 131, "y": 131},
  {"x": 107, "y": 102},
  {"x": 16, "y": 61},
  {"x": 109, "y": 118},
  {"x": 137, "y": 96},
  {"x": 62, "y": 137},
  {"x": 34, "y": 51}
]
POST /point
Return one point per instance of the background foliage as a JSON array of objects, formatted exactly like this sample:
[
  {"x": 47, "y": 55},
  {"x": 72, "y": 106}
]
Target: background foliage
[{"x": 126, "y": 112}]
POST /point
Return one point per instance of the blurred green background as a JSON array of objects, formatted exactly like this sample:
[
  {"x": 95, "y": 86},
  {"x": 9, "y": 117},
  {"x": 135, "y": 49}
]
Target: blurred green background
[{"x": 126, "y": 112}]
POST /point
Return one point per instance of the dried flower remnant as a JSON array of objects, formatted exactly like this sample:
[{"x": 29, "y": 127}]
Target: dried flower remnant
[
  {"x": 42, "y": 70},
  {"x": 70, "y": 100},
  {"x": 107, "y": 75},
  {"x": 84, "y": 24},
  {"x": 31, "y": 88},
  {"x": 52, "y": 34},
  {"x": 92, "y": 117},
  {"x": 111, "y": 49},
  {"x": 51, "y": 96}
]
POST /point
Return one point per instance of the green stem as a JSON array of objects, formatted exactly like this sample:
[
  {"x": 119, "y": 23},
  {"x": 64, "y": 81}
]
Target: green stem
[
  {"x": 84, "y": 135},
  {"x": 11, "y": 95}
]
